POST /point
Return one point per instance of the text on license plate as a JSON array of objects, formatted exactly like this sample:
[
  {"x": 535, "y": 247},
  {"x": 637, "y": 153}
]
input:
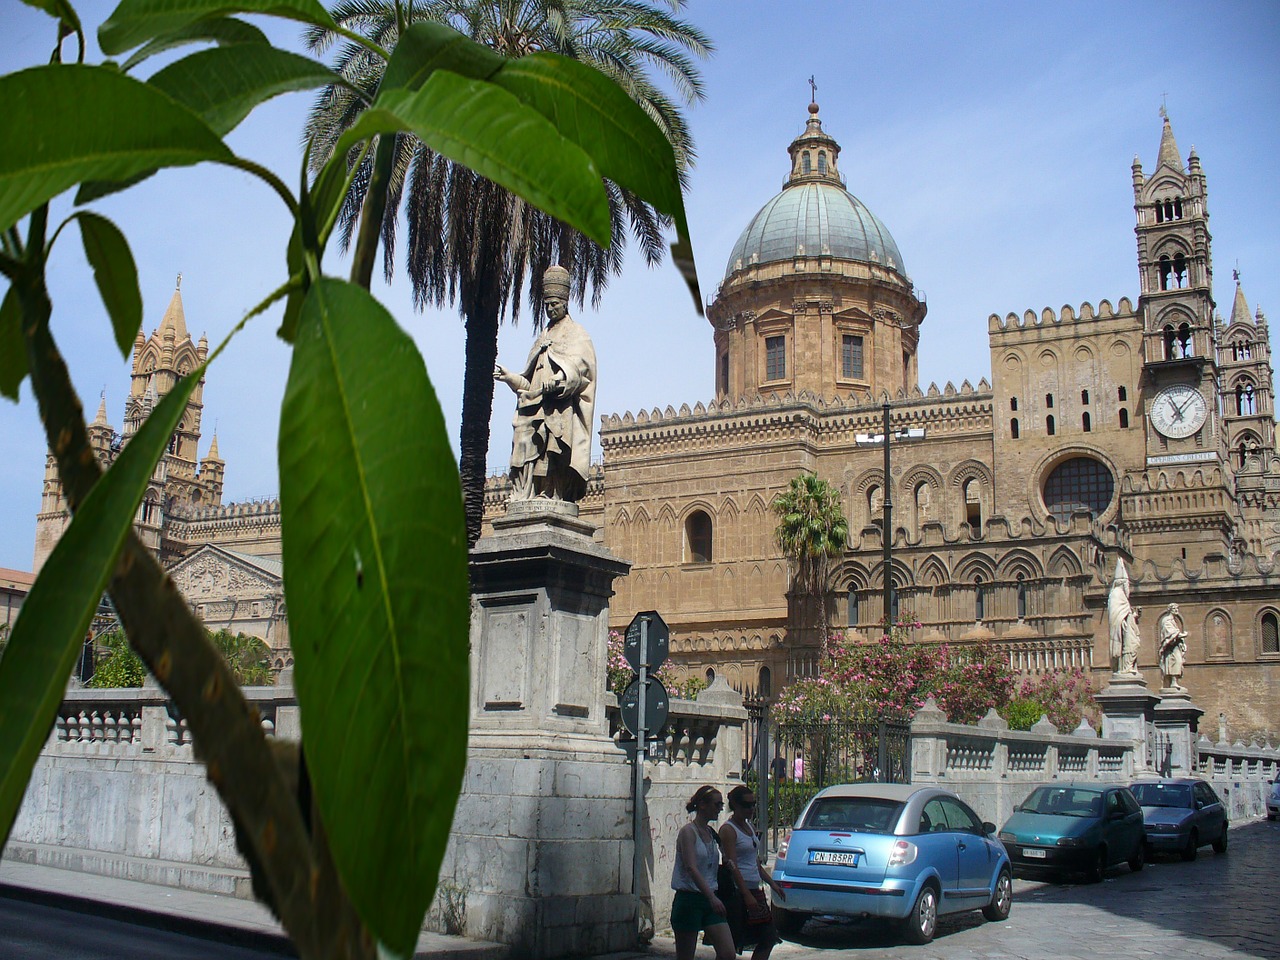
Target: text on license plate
[
  {"x": 1033, "y": 853},
  {"x": 844, "y": 858}
]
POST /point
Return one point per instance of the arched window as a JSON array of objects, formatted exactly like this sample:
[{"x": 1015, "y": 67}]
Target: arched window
[
  {"x": 1184, "y": 340},
  {"x": 1086, "y": 422},
  {"x": 875, "y": 504},
  {"x": 1165, "y": 269},
  {"x": 1022, "y": 597},
  {"x": 853, "y": 608},
  {"x": 1124, "y": 419},
  {"x": 893, "y": 603},
  {"x": 822, "y": 161},
  {"x": 973, "y": 507},
  {"x": 1168, "y": 209},
  {"x": 1048, "y": 400},
  {"x": 711, "y": 676},
  {"x": 1159, "y": 212},
  {"x": 1270, "y": 633},
  {"x": 1013, "y": 428},
  {"x": 1170, "y": 341},
  {"x": 1245, "y": 405},
  {"x": 766, "y": 682},
  {"x": 1084, "y": 397},
  {"x": 697, "y": 529},
  {"x": 979, "y": 599},
  {"x": 1049, "y": 425},
  {"x": 1242, "y": 350},
  {"x": 1177, "y": 208},
  {"x": 924, "y": 505},
  {"x": 1013, "y": 404},
  {"x": 806, "y": 165},
  {"x": 1180, "y": 271},
  {"x": 1080, "y": 483}
]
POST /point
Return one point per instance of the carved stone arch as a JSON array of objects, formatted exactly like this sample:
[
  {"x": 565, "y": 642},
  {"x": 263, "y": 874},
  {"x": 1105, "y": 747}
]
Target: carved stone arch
[
  {"x": 902, "y": 574},
  {"x": 852, "y": 574},
  {"x": 694, "y": 505},
  {"x": 729, "y": 510},
  {"x": 1218, "y": 635},
  {"x": 968, "y": 470},
  {"x": 975, "y": 565},
  {"x": 1083, "y": 353},
  {"x": 621, "y": 519},
  {"x": 1064, "y": 563},
  {"x": 149, "y": 359},
  {"x": 1170, "y": 246},
  {"x": 1175, "y": 314},
  {"x": 642, "y": 518},
  {"x": 933, "y": 572},
  {"x": 1048, "y": 357},
  {"x": 756, "y": 506},
  {"x": 1241, "y": 377},
  {"x": 1020, "y": 561},
  {"x": 667, "y": 517},
  {"x": 916, "y": 475}
]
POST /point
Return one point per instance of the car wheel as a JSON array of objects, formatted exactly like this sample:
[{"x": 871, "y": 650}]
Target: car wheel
[
  {"x": 1193, "y": 843},
  {"x": 789, "y": 923},
  {"x": 1139, "y": 858},
  {"x": 1220, "y": 845},
  {"x": 1002, "y": 900},
  {"x": 921, "y": 923},
  {"x": 1099, "y": 866}
]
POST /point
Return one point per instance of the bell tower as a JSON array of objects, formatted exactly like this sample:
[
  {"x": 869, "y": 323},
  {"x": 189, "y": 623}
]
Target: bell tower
[{"x": 1175, "y": 268}]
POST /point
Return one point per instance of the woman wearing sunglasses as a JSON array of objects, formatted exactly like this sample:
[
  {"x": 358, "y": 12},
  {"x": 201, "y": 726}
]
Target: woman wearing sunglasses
[{"x": 740, "y": 846}]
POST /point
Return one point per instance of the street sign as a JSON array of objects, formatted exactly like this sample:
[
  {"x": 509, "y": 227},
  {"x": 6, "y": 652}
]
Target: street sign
[
  {"x": 659, "y": 640},
  {"x": 656, "y": 706}
]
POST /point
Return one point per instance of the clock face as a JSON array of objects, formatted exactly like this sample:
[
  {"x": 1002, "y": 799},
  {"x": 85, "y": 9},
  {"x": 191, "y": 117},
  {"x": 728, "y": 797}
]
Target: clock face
[{"x": 1178, "y": 411}]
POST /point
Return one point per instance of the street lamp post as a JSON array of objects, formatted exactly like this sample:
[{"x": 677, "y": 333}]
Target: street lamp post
[{"x": 886, "y": 534}]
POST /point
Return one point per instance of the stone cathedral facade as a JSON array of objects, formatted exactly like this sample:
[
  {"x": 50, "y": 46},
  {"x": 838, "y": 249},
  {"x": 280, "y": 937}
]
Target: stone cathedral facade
[{"x": 1140, "y": 429}]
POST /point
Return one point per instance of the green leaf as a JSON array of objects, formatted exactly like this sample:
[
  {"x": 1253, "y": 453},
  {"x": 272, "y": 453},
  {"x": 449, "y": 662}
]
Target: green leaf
[
  {"x": 220, "y": 30},
  {"x": 426, "y": 47},
  {"x": 137, "y": 21},
  {"x": 376, "y": 581},
  {"x": 67, "y": 123},
  {"x": 487, "y": 129},
  {"x": 60, "y": 10},
  {"x": 224, "y": 84},
  {"x": 55, "y": 616},
  {"x": 115, "y": 274},
  {"x": 13, "y": 351}
]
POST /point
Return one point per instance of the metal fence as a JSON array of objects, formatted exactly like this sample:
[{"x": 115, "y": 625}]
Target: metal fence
[{"x": 797, "y": 758}]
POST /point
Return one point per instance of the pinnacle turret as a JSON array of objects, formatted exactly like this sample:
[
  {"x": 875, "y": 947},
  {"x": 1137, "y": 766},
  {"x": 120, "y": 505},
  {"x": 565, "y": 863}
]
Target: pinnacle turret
[{"x": 1169, "y": 156}]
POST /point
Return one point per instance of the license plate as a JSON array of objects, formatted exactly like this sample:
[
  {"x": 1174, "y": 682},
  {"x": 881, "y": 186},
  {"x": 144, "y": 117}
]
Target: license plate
[
  {"x": 1033, "y": 854},
  {"x": 843, "y": 858}
]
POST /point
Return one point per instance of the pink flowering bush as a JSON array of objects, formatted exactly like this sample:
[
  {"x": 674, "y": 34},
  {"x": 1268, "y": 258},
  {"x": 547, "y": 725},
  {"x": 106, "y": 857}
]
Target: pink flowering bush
[{"x": 620, "y": 673}]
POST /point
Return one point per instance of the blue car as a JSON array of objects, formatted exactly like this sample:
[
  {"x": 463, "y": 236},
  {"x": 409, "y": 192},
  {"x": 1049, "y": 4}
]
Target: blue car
[
  {"x": 1180, "y": 815},
  {"x": 905, "y": 853},
  {"x": 1066, "y": 828}
]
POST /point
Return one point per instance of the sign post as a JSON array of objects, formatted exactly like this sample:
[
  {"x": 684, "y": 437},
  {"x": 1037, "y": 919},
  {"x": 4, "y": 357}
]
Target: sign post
[{"x": 644, "y": 707}]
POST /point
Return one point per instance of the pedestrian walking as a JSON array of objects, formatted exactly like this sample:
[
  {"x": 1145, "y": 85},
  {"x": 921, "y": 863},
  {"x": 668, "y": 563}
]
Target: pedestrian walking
[
  {"x": 696, "y": 908},
  {"x": 750, "y": 919}
]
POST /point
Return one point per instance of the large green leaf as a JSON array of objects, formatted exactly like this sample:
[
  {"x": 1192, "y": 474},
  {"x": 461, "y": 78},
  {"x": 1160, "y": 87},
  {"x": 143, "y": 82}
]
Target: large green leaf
[
  {"x": 489, "y": 130},
  {"x": 137, "y": 21},
  {"x": 220, "y": 30},
  {"x": 224, "y": 84},
  {"x": 376, "y": 581},
  {"x": 65, "y": 124},
  {"x": 60, "y": 10},
  {"x": 13, "y": 352},
  {"x": 115, "y": 274},
  {"x": 427, "y": 46},
  {"x": 55, "y": 617}
]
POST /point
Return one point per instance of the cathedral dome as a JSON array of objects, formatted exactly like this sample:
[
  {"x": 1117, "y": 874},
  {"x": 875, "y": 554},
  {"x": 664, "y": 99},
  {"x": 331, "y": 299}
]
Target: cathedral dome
[{"x": 817, "y": 218}]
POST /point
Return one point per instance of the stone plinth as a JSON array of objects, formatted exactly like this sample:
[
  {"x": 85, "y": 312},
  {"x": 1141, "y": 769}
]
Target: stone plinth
[
  {"x": 1177, "y": 720},
  {"x": 1128, "y": 713},
  {"x": 540, "y": 857}
]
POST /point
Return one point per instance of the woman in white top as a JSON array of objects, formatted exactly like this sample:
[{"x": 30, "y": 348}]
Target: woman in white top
[
  {"x": 696, "y": 906},
  {"x": 740, "y": 846}
]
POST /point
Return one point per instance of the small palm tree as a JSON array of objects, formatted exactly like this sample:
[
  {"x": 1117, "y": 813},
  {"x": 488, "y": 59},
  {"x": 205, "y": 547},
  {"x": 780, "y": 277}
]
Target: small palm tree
[
  {"x": 811, "y": 531},
  {"x": 471, "y": 242}
]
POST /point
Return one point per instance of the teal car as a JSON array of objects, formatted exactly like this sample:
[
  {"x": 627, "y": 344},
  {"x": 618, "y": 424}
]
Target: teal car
[{"x": 1075, "y": 828}]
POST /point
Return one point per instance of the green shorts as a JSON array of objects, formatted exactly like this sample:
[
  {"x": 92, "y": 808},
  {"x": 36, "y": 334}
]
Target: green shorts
[{"x": 691, "y": 912}]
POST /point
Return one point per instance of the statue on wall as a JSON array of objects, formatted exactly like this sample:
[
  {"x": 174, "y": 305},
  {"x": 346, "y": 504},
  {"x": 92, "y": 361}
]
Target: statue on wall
[
  {"x": 555, "y": 398},
  {"x": 1122, "y": 624},
  {"x": 1173, "y": 647}
]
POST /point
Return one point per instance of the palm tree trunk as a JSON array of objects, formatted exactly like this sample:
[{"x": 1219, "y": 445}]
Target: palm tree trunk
[{"x": 477, "y": 404}]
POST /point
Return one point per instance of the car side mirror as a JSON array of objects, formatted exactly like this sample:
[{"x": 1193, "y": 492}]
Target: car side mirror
[
  {"x": 1017, "y": 807},
  {"x": 988, "y": 828}
]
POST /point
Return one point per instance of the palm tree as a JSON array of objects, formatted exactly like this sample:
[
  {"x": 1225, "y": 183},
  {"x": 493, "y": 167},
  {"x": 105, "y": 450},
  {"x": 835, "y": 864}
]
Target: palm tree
[
  {"x": 811, "y": 532},
  {"x": 471, "y": 242}
]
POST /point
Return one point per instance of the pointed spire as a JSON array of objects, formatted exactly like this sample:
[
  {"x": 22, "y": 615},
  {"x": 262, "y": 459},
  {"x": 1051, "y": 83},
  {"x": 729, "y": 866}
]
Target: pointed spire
[
  {"x": 101, "y": 419},
  {"x": 174, "y": 318},
  {"x": 1240, "y": 308},
  {"x": 1169, "y": 156},
  {"x": 213, "y": 448}
]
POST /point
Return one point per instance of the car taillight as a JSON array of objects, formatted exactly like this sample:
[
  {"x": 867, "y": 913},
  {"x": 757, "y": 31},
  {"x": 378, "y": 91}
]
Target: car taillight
[
  {"x": 782, "y": 847},
  {"x": 904, "y": 852}
]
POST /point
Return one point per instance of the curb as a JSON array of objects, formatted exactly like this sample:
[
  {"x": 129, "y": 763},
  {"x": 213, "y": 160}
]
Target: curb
[{"x": 156, "y": 920}]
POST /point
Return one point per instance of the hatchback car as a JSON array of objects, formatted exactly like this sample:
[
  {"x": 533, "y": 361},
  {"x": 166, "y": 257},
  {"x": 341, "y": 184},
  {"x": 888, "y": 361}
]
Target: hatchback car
[
  {"x": 1180, "y": 815},
  {"x": 1273, "y": 800},
  {"x": 906, "y": 853},
  {"x": 1075, "y": 828}
]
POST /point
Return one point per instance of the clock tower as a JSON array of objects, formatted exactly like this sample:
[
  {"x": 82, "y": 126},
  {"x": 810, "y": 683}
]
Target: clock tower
[{"x": 1185, "y": 439}]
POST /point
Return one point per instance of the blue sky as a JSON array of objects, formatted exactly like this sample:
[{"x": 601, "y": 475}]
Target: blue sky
[{"x": 994, "y": 140}]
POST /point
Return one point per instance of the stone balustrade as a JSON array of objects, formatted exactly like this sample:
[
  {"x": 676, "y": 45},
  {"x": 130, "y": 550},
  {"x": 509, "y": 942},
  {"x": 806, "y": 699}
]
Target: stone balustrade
[{"x": 1241, "y": 773}]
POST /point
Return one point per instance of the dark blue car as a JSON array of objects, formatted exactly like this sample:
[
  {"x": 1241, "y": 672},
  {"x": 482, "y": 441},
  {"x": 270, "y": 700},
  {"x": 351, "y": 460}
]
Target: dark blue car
[{"x": 1180, "y": 815}]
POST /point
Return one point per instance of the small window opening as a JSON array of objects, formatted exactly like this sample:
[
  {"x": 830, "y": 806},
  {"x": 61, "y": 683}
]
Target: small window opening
[
  {"x": 1013, "y": 404},
  {"x": 1049, "y": 425},
  {"x": 853, "y": 608},
  {"x": 766, "y": 681},
  {"x": 1124, "y": 419},
  {"x": 973, "y": 507},
  {"x": 1123, "y": 394},
  {"x": 1180, "y": 271},
  {"x": 1245, "y": 404},
  {"x": 979, "y": 599},
  {"x": 1177, "y": 208},
  {"x": 1086, "y": 422},
  {"x": 1166, "y": 269},
  {"x": 1048, "y": 400},
  {"x": 1184, "y": 340},
  {"x": 806, "y": 164},
  {"x": 1270, "y": 633},
  {"x": 1022, "y": 597},
  {"x": 1084, "y": 397},
  {"x": 698, "y": 533},
  {"x": 711, "y": 676},
  {"x": 1013, "y": 428},
  {"x": 822, "y": 161}
]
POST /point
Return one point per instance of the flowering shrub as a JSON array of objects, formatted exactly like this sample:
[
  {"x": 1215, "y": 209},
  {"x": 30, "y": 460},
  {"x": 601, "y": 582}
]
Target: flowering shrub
[
  {"x": 620, "y": 673},
  {"x": 893, "y": 677},
  {"x": 1065, "y": 696}
]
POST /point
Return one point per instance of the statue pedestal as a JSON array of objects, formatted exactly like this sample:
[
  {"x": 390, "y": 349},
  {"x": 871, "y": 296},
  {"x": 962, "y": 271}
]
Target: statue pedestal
[
  {"x": 540, "y": 857},
  {"x": 1177, "y": 721},
  {"x": 1128, "y": 713}
]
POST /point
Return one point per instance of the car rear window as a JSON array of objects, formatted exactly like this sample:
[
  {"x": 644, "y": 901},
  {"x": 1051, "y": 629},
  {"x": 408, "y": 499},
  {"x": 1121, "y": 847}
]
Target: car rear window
[
  {"x": 855, "y": 814},
  {"x": 1163, "y": 794},
  {"x": 1064, "y": 802}
]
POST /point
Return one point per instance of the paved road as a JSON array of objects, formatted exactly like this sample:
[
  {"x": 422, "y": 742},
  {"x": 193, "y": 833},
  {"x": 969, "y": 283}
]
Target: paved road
[
  {"x": 34, "y": 931},
  {"x": 1220, "y": 906}
]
